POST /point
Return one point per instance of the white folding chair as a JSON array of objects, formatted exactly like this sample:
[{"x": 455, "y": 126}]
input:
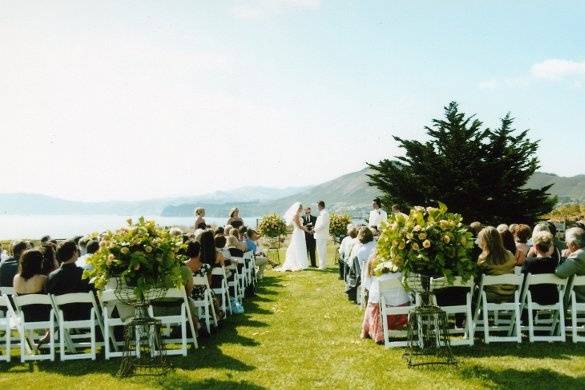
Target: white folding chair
[
  {"x": 511, "y": 328},
  {"x": 182, "y": 318},
  {"x": 7, "y": 290},
  {"x": 577, "y": 310},
  {"x": 7, "y": 324},
  {"x": 108, "y": 302},
  {"x": 31, "y": 329},
  {"x": 242, "y": 278},
  {"x": 205, "y": 307},
  {"x": 72, "y": 342},
  {"x": 467, "y": 333},
  {"x": 385, "y": 311},
  {"x": 250, "y": 268},
  {"x": 222, "y": 291},
  {"x": 234, "y": 281}
]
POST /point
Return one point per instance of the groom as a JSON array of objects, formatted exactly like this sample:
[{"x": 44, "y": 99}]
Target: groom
[
  {"x": 309, "y": 222},
  {"x": 321, "y": 234}
]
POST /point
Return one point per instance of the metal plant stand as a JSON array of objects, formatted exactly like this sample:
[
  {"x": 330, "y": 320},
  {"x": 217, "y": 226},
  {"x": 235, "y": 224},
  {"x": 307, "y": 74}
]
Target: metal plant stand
[
  {"x": 143, "y": 346},
  {"x": 428, "y": 336}
]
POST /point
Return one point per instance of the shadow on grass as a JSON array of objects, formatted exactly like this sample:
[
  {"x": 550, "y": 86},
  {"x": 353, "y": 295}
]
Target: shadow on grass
[
  {"x": 516, "y": 379},
  {"x": 209, "y": 354},
  {"x": 560, "y": 351}
]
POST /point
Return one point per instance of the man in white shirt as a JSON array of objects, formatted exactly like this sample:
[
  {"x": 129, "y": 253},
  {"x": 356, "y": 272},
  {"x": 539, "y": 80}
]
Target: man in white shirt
[
  {"x": 321, "y": 235},
  {"x": 377, "y": 215}
]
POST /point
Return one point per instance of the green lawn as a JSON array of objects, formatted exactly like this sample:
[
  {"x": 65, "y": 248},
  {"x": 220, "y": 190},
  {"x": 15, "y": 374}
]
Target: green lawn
[{"x": 300, "y": 332}]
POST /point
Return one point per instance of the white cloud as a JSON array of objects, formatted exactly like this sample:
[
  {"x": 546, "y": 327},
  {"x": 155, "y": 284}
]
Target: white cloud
[
  {"x": 259, "y": 9},
  {"x": 550, "y": 70},
  {"x": 557, "y": 69}
]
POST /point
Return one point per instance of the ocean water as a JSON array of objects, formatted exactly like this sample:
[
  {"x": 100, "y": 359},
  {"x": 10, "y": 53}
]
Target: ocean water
[{"x": 66, "y": 226}]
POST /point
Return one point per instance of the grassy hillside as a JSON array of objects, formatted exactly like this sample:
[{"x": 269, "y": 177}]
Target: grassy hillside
[{"x": 566, "y": 188}]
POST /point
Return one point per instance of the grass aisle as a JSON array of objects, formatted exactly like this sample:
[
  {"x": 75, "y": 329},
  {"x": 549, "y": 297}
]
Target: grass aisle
[{"x": 300, "y": 332}]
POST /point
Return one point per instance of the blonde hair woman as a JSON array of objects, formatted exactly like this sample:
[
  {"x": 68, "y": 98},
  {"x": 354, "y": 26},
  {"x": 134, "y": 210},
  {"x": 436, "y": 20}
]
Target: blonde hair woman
[
  {"x": 495, "y": 260},
  {"x": 200, "y": 218}
]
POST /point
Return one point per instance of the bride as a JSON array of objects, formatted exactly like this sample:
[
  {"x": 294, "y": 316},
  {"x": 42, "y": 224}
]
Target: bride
[{"x": 296, "y": 253}]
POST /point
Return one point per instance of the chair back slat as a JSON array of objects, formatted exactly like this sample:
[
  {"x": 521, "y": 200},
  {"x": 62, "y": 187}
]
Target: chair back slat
[
  {"x": 489, "y": 280},
  {"x": 32, "y": 299},
  {"x": 79, "y": 297},
  {"x": 7, "y": 290},
  {"x": 535, "y": 279}
]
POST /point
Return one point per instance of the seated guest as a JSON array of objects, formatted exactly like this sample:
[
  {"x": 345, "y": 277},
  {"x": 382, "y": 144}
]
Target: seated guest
[
  {"x": 243, "y": 232},
  {"x": 495, "y": 260},
  {"x": 208, "y": 252},
  {"x": 31, "y": 280},
  {"x": 68, "y": 279},
  {"x": 555, "y": 253},
  {"x": 9, "y": 267},
  {"x": 233, "y": 245},
  {"x": 219, "y": 231},
  {"x": 200, "y": 218},
  {"x": 544, "y": 294},
  {"x": 202, "y": 258},
  {"x": 372, "y": 326},
  {"x": 366, "y": 238},
  {"x": 234, "y": 218},
  {"x": 48, "y": 249},
  {"x": 259, "y": 255},
  {"x": 227, "y": 229},
  {"x": 521, "y": 236},
  {"x": 475, "y": 228},
  {"x": 510, "y": 244},
  {"x": 345, "y": 249},
  {"x": 574, "y": 264},
  {"x": 45, "y": 239},
  {"x": 241, "y": 244},
  {"x": 196, "y": 268},
  {"x": 92, "y": 247},
  {"x": 220, "y": 245}
]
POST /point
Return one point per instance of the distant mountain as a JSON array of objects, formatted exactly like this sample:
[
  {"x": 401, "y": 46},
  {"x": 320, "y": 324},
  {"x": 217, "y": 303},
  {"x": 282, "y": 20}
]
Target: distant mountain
[
  {"x": 348, "y": 193},
  {"x": 568, "y": 189},
  {"x": 351, "y": 193},
  {"x": 37, "y": 204}
]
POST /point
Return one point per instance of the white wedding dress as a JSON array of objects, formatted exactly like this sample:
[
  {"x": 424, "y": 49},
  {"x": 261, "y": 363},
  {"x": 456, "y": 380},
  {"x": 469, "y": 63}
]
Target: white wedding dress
[{"x": 296, "y": 253}]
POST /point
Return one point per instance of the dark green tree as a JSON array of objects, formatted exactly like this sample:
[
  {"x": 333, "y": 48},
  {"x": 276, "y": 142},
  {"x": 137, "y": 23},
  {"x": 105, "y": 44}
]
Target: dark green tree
[{"x": 478, "y": 172}]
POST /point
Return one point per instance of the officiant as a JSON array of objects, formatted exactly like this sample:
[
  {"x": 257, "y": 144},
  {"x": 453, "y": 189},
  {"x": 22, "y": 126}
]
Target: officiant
[{"x": 309, "y": 222}]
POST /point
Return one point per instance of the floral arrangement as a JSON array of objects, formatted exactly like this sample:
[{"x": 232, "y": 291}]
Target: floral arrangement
[
  {"x": 338, "y": 225},
  {"x": 141, "y": 255},
  {"x": 272, "y": 226},
  {"x": 429, "y": 241}
]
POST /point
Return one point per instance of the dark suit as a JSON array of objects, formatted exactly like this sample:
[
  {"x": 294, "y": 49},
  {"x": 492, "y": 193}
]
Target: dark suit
[
  {"x": 67, "y": 279},
  {"x": 309, "y": 238}
]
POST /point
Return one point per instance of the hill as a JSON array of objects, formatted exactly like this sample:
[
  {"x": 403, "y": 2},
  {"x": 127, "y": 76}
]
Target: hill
[{"x": 568, "y": 189}]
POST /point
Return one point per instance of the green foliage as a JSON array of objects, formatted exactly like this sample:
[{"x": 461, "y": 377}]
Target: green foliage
[
  {"x": 338, "y": 225},
  {"x": 272, "y": 225},
  {"x": 143, "y": 255},
  {"x": 428, "y": 241},
  {"x": 479, "y": 172}
]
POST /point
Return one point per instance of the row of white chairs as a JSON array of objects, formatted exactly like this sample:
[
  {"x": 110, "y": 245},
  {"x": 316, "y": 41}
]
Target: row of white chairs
[{"x": 501, "y": 321}]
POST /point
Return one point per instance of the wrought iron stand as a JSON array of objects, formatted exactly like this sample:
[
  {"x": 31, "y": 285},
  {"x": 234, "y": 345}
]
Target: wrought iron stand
[{"x": 428, "y": 337}]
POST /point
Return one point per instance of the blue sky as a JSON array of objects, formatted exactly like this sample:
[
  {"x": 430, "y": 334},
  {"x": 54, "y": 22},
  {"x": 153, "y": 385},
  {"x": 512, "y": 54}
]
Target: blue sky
[{"x": 138, "y": 99}]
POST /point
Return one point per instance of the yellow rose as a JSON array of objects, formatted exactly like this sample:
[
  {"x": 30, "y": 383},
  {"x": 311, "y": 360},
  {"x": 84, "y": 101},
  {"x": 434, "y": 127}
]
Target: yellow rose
[
  {"x": 410, "y": 236},
  {"x": 125, "y": 250},
  {"x": 148, "y": 248},
  {"x": 446, "y": 239},
  {"x": 415, "y": 246},
  {"x": 422, "y": 236},
  {"x": 417, "y": 228},
  {"x": 427, "y": 244},
  {"x": 401, "y": 245}
]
